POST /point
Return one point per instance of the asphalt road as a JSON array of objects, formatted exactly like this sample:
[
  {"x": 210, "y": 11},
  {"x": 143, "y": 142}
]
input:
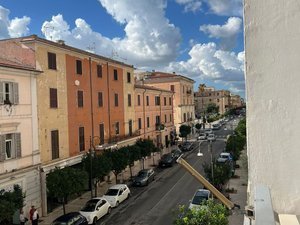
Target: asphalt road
[{"x": 156, "y": 203}]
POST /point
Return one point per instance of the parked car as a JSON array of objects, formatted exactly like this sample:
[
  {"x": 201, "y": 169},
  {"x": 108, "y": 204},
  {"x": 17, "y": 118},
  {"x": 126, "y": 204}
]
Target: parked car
[
  {"x": 166, "y": 160},
  {"x": 144, "y": 177},
  {"x": 208, "y": 131},
  {"x": 186, "y": 146},
  {"x": 211, "y": 137},
  {"x": 199, "y": 197},
  {"x": 176, "y": 153},
  {"x": 117, "y": 194},
  {"x": 224, "y": 156},
  {"x": 70, "y": 218},
  {"x": 216, "y": 126},
  {"x": 94, "y": 209},
  {"x": 202, "y": 136}
]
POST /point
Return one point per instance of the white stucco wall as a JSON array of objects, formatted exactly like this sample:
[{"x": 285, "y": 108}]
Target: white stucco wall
[{"x": 272, "y": 46}]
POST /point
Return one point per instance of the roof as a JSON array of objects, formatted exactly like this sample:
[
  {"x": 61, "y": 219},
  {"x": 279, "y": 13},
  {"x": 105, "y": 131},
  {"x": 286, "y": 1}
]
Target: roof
[
  {"x": 151, "y": 88},
  {"x": 61, "y": 44},
  {"x": 117, "y": 186},
  {"x": 67, "y": 216},
  {"x": 158, "y": 75},
  {"x": 10, "y": 64}
]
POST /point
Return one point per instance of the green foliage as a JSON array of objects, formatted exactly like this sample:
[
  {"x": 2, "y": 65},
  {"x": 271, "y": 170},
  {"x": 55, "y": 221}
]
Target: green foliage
[
  {"x": 222, "y": 173},
  {"x": 10, "y": 202},
  {"x": 212, "y": 108},
  {"x": 146, "y": 146},
  {"x": 61, "y": 183},
  {"x": 184, "y": 130},
  {"x": 211, "y": 213},
  {"x": 118, "y": 160},
  {"x": 198, "y": 126}
]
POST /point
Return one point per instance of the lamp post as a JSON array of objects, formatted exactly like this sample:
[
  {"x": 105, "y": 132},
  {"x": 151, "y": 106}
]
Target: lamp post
[
  {"x": 211, "y": 160},
  {"x": 199, "y": 152}
]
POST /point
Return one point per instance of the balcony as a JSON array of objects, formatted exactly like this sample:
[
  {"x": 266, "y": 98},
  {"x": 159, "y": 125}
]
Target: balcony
[
  {"x": 189, "y": 92},
  {"x": 159, "y": 127}
]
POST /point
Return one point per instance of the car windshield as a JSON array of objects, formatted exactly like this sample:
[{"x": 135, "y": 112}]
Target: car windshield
[
  {"x": 90, "y": 205},
  {"x": 197, "y": 200},
  {"x": 112, "y": 192},
  {"x": 142, "y": 174},
  {"x": 165, "y": 157},
  {"x": 224, "y": 156},
  {"x": 59, "y": 223}
]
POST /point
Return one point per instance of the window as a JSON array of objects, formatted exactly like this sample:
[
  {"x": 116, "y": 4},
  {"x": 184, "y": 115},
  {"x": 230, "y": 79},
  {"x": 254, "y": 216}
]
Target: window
[
  {"x": 117, "y": 128},
  {"x": 78, "y": 67},
  {"x": 147, "y": 100},
  {"x": 218, "y": 100},
  {"x": 115, "y": 74},
  {"x": 172, "y": 88},
  {"x": 51, "y": 61},
  {"x": 129, "y": 100},
  {"x": 140, "y": 123},
  {"x": 165, "y": 118},
  {"x": 99, "y": 70},
  {"x": 148, "y": 122},
  {"x": 130, "y": 127},
  {"x": 165, "y": 100},
  {"x": 53, "y": 98},
  {"x": 116, "y": 100},
  {"x": 170, "y": 117},
  {"x": 9, "y": 93},
  {"x": 10, "y": 146},
  {"x": 183, "y": 89},
  {"x": 170, "y": 101},
  {"x": 101, "y": 128},
  {"x": 81, "y": 139},
  {"x": 100, "y": 99},
  {"x": 55, "y": 144},
  {"x": 139, "y": 99},
  {"x": 157, "y": 100},
  {"x": 80, "y": 98},
  {"x": 157, "y": 119},
  {"x": 184, "y": 117},
  {"x": 128, "y": 77}
]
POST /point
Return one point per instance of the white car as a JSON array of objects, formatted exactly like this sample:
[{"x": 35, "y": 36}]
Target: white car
[
  {"x": 208, "y": 131},
  {"x": 198, "y": 198},
  {"x": 94, "y": 209},
  {"x": 202, "y": 136},
  {"x": 224, "y": 156},
  {"x": 117, "y": 194},
  {"x": 211, "y": 137}
]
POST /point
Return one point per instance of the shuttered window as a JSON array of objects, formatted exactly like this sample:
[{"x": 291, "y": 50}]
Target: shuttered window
[
  {"x": 51, "y": 61},
  {"x": 147, "y": 100},
  {"x": 9, "y": 93},
  {"x": 129, "y": 100},
  {"x": 80, "y": 98},
  {"x": 116, "y": 100},
  {"x": 115, "y": 74},
  {"x": 55, "y": 144},
  {"x": 101, "y": 127},
  {"x": 117, "y": 128},
  {"x": 148, "y": 122},
  {"x": 128, "y": 77},
  {"x": 140, "y": 123},
  {"x": 100, "y": 99},
  {"x": 99, "y": 70},
  {"x": 78, "y": 67},
  {"x": 81, "y": 139},
  {"x": 165, "y": 100},
  {"x": 10, "y": 146},
  {"x": 53, "y": 98},
  {"x": 139, "y": 99}
]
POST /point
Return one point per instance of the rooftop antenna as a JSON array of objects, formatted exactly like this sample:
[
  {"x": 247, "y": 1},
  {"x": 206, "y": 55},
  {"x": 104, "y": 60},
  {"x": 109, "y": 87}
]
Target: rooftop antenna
[
  {"x": 91, "y": 47},
  {"x": 114, "y": 54},
  {"x": 49, "y": 27}
]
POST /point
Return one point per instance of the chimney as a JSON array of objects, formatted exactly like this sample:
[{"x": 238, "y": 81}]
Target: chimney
[
  {"x": 61, "y": 42},
  {"x": 174, "y": 72}
]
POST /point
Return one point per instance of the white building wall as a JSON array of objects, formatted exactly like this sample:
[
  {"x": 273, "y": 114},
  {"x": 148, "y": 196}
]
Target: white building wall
[{"x": 272, "y": 47}]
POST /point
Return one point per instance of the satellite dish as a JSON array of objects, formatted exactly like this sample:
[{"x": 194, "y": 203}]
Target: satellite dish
[{"x": 77, "y": 82}]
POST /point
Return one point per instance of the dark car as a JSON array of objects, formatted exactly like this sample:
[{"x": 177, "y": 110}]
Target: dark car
[
  {"x": 176, "y": 153},
  {"x": 144, "y": 177},
  {"x": 73, "y": 218},
  {"x": 186, "y": 146},
  {"x": 166, "y": 160}
]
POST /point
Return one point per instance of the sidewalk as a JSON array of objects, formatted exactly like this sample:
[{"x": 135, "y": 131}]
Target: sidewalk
[
  {"x": 240, "y": 185},
  {"x": 78, "y": 203}
]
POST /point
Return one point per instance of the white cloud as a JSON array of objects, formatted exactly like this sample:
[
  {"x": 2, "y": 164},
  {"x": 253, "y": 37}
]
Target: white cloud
[
  {"x": 226, "y": 7},
  {"x": 190, "y": 5},
  {"x": 207, "y": 62},
  {"x": 227, "y": 32},
  {"x": 149, "y": 37},
  {"x": 16, "y": 27}
]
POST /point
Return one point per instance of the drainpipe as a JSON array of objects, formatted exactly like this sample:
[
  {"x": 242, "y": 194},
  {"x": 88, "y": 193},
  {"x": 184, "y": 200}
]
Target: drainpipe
[
  {"x": 108, "y": 93},
  {"x": 91, "y": 91},
  {"x": 144, "y": 112}
]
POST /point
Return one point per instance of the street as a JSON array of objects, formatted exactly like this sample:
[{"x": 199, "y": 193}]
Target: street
[{"x": 156, "y": 203}]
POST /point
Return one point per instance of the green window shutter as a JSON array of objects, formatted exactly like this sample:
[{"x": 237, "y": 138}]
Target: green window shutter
[
  {"x": 15, "y": 93},
  {"x": 17, "y": 144},
  {"x": 1, "y": 94},
  {"x": 2, "y": 148}
]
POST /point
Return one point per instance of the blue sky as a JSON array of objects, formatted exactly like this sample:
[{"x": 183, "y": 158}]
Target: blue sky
[{"x": 201, "y": 39}]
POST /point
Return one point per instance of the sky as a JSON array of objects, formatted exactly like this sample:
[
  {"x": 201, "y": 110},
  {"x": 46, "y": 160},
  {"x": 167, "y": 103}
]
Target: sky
[{"x": 200, "y": 39}]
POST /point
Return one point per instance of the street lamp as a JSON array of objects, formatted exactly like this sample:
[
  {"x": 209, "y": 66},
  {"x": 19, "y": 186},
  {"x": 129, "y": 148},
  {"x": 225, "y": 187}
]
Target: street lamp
[{"x": 199, "y": 153}]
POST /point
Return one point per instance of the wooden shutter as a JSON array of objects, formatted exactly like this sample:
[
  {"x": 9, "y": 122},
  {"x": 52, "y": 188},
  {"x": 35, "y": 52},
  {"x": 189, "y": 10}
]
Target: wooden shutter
[
  {"x": 55, "y": 144},
  {"x": 17, "y": 144},
  {"x": 101, "y": 133},
  {"x": 2, "y": 148},
  {"x": 15, "y": 87},
  {"x": 1, "y": 93}
]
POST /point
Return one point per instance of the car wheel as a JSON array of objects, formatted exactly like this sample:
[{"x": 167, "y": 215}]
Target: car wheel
[
  {"x": 109, "y": 210},
  {"x": 117, "y": 203},
  {"x": 95, "y": 220}
]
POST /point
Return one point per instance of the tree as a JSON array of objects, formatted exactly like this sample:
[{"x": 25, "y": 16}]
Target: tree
[
  {"x": 134, "y": 153},
  {"x": 61, "y": 183},
  {"x": 212, "y": 108},
  {"x": 222, "y": 173},
  {"x": 198, "y": 126},
  {"x": 146, "y": 146},
  {"x": 10, "y": 202},
  {"x": 184, "y": 131},
  {"x": 118, "y": 160},
  {"x": 101, "y": 166},
  {"x": 212, "y": 213}
]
